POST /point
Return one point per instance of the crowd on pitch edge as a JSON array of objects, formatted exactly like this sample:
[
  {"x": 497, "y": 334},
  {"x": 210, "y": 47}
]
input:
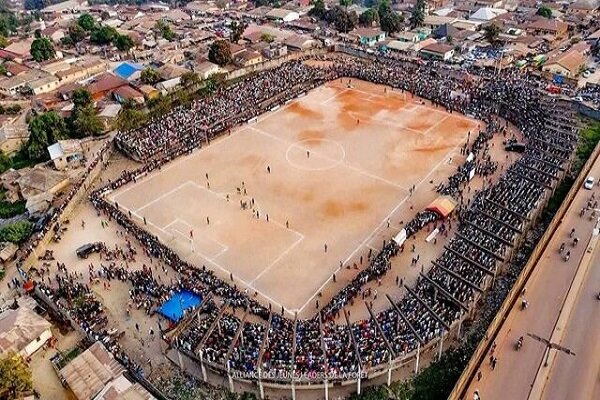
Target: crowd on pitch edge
[{"x": 488, "y": 227}]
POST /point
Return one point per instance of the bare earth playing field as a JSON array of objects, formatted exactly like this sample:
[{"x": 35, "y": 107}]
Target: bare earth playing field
[{"x": 341, "y": 160}]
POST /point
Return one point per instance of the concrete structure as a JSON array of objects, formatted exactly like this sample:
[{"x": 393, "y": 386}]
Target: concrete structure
[
  {"x": 65, "y": 153},
  {"x": 88, "y": 373},
  {"x": 486, "y": 14},
  {"x": 282, "y": 15},
  {"x": 31, "y": 182},
  {"x": 23, "y": 331},
  {"x": 369, "y": 36},
  {"x": 567, "y": 64},
  {"x": 438, "y": 51},
  {"x": 123, "y": 388},
  {"x": 551, "y": 27}
]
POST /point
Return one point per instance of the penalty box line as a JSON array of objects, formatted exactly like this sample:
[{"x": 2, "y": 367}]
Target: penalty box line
[
  {"x": 220, "y": 267},
  {"x": 164, "y": 230}
]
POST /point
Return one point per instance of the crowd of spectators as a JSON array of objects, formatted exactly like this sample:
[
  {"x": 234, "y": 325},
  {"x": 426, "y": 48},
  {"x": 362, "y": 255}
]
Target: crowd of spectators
[{"x": 489, "y": 225}]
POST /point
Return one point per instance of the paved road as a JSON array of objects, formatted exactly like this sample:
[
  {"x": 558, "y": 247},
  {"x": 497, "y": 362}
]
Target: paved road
[
  {"x": 571, "y": 377},
  {"x": 579, "y": 377}
]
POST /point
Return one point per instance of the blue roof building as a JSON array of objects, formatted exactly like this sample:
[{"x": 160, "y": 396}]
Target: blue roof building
[{"x": 128, "y": 71}]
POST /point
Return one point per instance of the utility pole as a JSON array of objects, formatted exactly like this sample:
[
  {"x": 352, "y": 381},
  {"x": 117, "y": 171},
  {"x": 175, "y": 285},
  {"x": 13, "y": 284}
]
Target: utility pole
[{"x": 549, "y": 345}]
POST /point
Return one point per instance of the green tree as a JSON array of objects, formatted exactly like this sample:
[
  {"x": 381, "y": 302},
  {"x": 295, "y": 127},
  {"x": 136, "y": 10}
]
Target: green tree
[
  {"x": 15, "y": 374},
  {"x": 343, "y": 21},
  {"x": 8, "y": 23},
  {"x": 86, "y": 122},
  {"x": 16, "y": 232},
  {"x": 318, "y": 10},
  {"x": 42, "y": 49},
  {"x": 67, "y": 41},
  {"x": 14, "y": 109},
  {"x": 150, "y": 76},
  {"x": 369, "y": 17},
  {"x": 77, "y": 33},
  {"x": 5, "y": 163},
  {"x": 130, "y": 117},
  {"x": 220, "y": 52},
  {"x": 267, "y": 37},
  {"x": 391, "y": 22},
  {"x": 345, "y": 3},
  {"x": 237, "y": 30},
  {"x": 165, "y": 30},
  {"x": 44, "y": 129},
  {"x": 3, "y": 41},
  {"x": 190, "y": 79},
  {"x": 34, "y": 4},
  {"x": 417, "y": 17},
  {"x": 544, "y": 11},
  {"x": 103, "y": 35},
  {"x": 123, "y": 42},
  {"x": 491, "y": 33},
  {"x": 87, "y": 22},
  {"x": 81, "y": 98}
]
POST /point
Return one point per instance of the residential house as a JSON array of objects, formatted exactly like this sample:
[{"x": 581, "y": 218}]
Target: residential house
[
  {"x": 369, "y": 36},
  {"x": 584, "y": 7},
  {"x": 200, "y": 8},
  {"x": 439, "y": 51},
  {"x": 66, "y": 7},
  {"x": 66, "y": 153},
  {"x": 568, "y": 64},
  {"x": 398, "y": 46},
  {"x": 171, "y": 71},
  {"x": 445, "y": 31},
  {"x": 23, "y": 331},
  {"x": 88, "y": 373},
  {"x": 248, "y": 58},
  {"x": 489, "y": 3},
  {"x": 44, "y": 84},
  {"x": 54, "y": 33},
  {"x": 127, "y": 93},
  {"x": 176, "y": 16},
  {"x": 550, "y": 27},
  {"x": 486, "y": 14},
  {"x": 300, "y": 42},
  {"x": 433, "y": 21},
  {"x": 129, "y": 71},
  {"x": 205, "y": 69},
  {"x": 123, "y": 388},
  {"x": 82, "y": 70},
  {"x": 7, "y": 252},
  {"x": 20, "y": 50},
  {"x": 109, "y": 113},
  {"x": 282, "y": 15},
  {"x": 20, "y": 83},
  {"x": 274, "y": 51},
  {"x": 148, "y": 91},
  {"x": 13, "y": 133},
  {"x": 103, "y": 84},
  {"x": 37, "y": 180}
]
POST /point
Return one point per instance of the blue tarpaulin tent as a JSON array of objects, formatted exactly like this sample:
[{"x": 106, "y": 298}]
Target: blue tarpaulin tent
[{"x": 174, "y": 308}]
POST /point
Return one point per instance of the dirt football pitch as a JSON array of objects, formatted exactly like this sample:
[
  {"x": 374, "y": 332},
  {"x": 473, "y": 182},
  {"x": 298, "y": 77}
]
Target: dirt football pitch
[{"x": 282, "y": 201}]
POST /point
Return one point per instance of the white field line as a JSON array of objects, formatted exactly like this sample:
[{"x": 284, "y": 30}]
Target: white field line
[
  {"x": 343, "y": 162},
  {"x": 283, "y": 254},
  {"x": 219, "y": 266}
]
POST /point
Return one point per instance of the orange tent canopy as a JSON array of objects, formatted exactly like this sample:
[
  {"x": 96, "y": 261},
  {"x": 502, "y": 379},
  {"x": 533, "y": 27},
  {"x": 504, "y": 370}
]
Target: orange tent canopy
[{"x": 443, "y": 205}]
